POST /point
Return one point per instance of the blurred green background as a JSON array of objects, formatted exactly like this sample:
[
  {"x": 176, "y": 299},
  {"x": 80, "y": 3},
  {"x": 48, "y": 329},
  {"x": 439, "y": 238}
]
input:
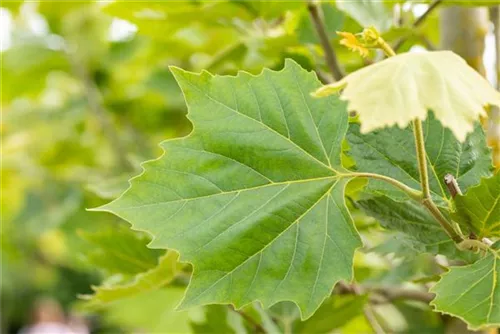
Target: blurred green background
[{"x": 86, "y": 97}]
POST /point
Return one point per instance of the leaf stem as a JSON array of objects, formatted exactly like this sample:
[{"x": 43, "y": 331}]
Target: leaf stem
[
  {"x": 319, "y": 25},
  {"x": 421, "y": 158},
  {"x": 413, "y": 193},
  {"x": 426, "y": 198}
]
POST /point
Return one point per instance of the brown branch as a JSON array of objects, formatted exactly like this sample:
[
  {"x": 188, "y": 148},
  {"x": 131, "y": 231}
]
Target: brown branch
[
  {"x": 258, "y": 327},
  {"x": 400, "y": 293},
  {"x": 452, "y": 185},
  {"x": 418, "y": 22},
  {"x": 330, "y": 56}
]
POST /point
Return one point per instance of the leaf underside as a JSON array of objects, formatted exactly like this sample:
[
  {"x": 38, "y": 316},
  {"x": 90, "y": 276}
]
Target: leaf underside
[
  {"x": 439, "y": 81},
  {"x": 252, "y": 196},
  {"x": 472, "y": 292}
]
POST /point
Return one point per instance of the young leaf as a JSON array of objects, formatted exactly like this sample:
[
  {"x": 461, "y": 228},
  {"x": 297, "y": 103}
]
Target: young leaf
[
  {"x": 479, "y": 209},
  {"x": 252, "y": 198},
  {"x": 472, "y": 292},
  {"x": 402, "y": 88},
  {"x": 391, "y": 152},
  {"x": 152, "y": 279}
]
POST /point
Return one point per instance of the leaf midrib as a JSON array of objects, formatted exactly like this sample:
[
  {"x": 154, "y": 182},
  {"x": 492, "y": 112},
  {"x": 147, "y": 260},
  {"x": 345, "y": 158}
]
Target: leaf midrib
[
  {"x": 332, "y": 177},
  {"x": 263, "y": 124}
]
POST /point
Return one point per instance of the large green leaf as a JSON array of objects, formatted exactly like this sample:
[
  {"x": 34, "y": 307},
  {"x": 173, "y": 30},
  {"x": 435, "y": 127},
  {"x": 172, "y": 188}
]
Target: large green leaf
[
  {"x": 252, "y": 198},
  {"x": 479, "y": 209},
  {"x": 152, "y": 279},
  {"x": 472, "y": 292},
  {"x": 391, "y": 152},
  {"x": 439, "y": 81}
]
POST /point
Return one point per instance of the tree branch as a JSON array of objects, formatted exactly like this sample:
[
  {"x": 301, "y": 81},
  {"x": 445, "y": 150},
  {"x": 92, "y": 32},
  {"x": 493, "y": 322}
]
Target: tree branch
[
  {"x": 319, "y": 25},
  {"x": 418, "y": 22}
]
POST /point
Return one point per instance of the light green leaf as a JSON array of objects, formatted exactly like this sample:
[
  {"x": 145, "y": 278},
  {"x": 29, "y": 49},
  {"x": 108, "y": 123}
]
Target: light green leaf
[
  {"x": 152, "y": 279},
  {"x": 439, "y": 81},
  {"x": 368, "y": 13},
  {"x": 391, "y": 152},
  {"x": 151, "y": 312},
  {"x": 479, "y": 209},
  {"x": 472, "y": 292},
  {"x": 252, "y": 198}
]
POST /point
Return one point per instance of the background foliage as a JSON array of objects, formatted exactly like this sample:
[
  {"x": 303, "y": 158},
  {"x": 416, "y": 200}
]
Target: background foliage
[{"x": 87, "y": 95}]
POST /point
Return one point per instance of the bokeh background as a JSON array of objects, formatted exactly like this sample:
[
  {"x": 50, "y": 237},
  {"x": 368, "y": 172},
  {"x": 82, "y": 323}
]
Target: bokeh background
[{"x": 86, "y": 96}]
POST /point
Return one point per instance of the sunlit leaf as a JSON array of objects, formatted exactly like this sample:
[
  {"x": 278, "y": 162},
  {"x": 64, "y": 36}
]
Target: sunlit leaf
[
  {"x": 256, "y": 181},
  {"x": 405, "y": 87},
  {"x": 152, "y": 312}
]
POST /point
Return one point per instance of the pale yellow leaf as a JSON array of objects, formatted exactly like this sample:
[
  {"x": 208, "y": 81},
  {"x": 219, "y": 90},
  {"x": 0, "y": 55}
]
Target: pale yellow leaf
[{"x": 405, "y": 87}]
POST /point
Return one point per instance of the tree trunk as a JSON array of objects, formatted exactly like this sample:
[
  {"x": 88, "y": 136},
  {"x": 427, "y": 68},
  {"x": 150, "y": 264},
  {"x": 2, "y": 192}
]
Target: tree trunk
[
  {"x": 494, "y": 121},
  {"x": 463, "y": 30}
]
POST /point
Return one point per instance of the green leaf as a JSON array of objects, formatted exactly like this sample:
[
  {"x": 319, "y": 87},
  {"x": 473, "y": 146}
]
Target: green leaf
[
  {"x": 410, "y": 218},
  {"x": 368, "y": 13},
  {"x": 472, "y": 292},
  {"x": 252, "y": 198},
  {"x": 152, "y": 279},
  {"x": 120, "y": 251},
  {"x": 439, "y": 81},
  {"x": 391, "y": 152},
  {"x": 479, "y": 209}
]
